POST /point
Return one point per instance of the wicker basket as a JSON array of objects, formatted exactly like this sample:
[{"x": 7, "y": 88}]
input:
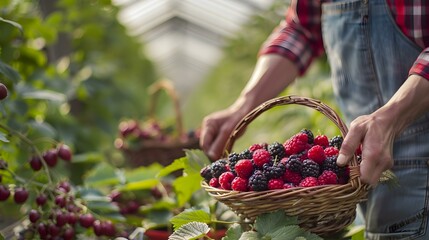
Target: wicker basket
[
  {"x": 323, "y": 210},
  {"x": 164, "y": 152}
]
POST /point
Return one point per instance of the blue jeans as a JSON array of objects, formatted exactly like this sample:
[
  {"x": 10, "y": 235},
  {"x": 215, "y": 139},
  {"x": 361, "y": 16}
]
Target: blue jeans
[{"x": 370, "y": 58}]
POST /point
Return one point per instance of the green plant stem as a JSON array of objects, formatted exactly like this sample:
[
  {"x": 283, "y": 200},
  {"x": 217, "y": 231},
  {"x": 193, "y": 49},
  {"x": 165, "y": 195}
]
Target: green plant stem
[{"x": 30, "y": 143}]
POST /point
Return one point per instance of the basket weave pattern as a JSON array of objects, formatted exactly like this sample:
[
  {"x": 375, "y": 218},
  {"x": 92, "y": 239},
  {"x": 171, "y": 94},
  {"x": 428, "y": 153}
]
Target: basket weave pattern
[{"x": 321, "y": 209}]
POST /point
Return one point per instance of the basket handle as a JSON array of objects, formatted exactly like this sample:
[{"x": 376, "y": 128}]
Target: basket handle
[
  {"x": 167, "y": 86},
  {"x": 285, "y": 100}
]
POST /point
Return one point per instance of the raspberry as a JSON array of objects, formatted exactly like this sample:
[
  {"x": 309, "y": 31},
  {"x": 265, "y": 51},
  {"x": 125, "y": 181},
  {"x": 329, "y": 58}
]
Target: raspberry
[
  {"x": 327, "y": 177},
  {"x": 239, "y": 184},
  {"x": 331, "y": 151},
  {"x": 292, "y": 177},
  {"x": 294, "y": 163},
  {"x": 244, "y": 168},
  {"x": 218, "y": 167},
  {"x": 336, "y": 141},
  {"x": 309, "y": 134},
  {"x": 206, "y": 173},
  {"x": 310, "y": 168},
  {"x": 257, "y": 146},
  {"x": 214, "y": 182},
  {"x": 260, "y": 157},
  {"x": 296, "y": 144},
  {"x": 317, "y": 154},
  {"x": 272, "y": 170},
  {"x": 277, "y": 150},
  {"x": 275, "y": 184},
  {"x": 321, "y": 140},
  {"x": 258, "y": 181},
  {"x": 225, "y": 180},
  {"x": 308, "y": 182}
]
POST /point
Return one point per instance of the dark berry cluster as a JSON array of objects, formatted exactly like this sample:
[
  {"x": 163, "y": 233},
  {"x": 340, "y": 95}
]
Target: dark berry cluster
[{"x": 303, "y": 160}]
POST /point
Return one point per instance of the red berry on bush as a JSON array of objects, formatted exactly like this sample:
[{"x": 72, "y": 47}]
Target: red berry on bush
[
  {"x": 4, "y": 193},
  {"x": 71, "y": 218},
  {"x": 68, "y": 234},
  {"x": 36, "y": 163},
  {"x": 133, "y": 207},
  {"x": 86, "y": 220},
  {"x": 41, "y": 199},
  {"x": 51, "y": 157},
  {"x": 108, "y": 228},
  {"x": 20, "y": 196},
  {"x": 64, "y": 152},
  {"x": 61, "y": 218},
  {"x": 42, "y": 229},
  {"x": 3, "y": 91},
  {"x": 34, "y": 215},
  {"x": 54, "y": 230},
  {"x": 98, "y": 231},
  {"x": 60, "y": 201},
  {"x": 64, "y": 186}
]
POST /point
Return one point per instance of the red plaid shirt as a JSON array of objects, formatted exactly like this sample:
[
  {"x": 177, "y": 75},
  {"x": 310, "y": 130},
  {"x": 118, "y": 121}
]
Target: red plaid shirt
[{"x": 299, "y": 37}]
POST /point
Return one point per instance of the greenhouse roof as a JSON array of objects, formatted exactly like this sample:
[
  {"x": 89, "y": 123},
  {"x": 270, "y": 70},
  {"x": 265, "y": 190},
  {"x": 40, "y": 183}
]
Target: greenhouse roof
[{"x": 184, "y": 38}]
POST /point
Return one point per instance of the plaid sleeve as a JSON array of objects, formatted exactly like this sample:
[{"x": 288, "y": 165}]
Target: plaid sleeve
[
  {"x": 421, "y": 65},
  {"x": 299, "y": 36}
]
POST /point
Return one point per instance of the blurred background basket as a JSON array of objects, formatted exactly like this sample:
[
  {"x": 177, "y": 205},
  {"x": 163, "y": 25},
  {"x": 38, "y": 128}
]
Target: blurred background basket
[
  {"x": 147, "y": 150},
  {"x": 323, "y": 210}
]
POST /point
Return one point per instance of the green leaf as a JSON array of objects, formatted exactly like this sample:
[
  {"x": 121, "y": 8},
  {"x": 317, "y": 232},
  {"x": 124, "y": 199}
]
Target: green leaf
[
  {"x": 3, "y": 137},
  {"x": 185, "y": 186},
  {"x": 234, "y": 232},
  {"x": 286, "y": 233},
  {"x": 15, "y": 24},
  {"x": 140, "y": 185},
  {"x": 45, "y": 95},
  {"x": 143, "y": 173},
  {"x": 192, "y": 230},
  {"x": 2, "y": 237},
  {"x": 196, "y": 159},
  {"x": 9, "y": 72},
  {"x": 190, "y": 216},
  {"x": 88, "y": 157},
  {"x": 251, "y": 235},
  {"x": 177, "y": 164},
  {"x": 270, "y": 222},
  {"x": 103, "y": 174}
]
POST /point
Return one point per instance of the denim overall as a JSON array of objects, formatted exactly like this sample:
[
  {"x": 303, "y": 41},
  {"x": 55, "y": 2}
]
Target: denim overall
[{"x": 370, "y": 58}]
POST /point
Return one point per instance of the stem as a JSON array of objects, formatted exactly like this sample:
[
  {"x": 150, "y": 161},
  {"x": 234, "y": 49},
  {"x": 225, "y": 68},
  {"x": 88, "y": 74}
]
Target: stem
[{"x": 30, "y": 143}]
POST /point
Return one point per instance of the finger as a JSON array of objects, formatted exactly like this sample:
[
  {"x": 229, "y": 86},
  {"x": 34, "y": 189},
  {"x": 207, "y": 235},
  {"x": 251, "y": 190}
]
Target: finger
[
  {"x": 218, "y": 145},
  {"x": 350, "y": 143}
]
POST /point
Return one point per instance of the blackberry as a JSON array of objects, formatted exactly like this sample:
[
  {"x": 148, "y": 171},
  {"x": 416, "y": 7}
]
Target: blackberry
[
  {"x": 272, "y": 171},
  {"x": 309, "y": 134},
  {"x": 218, "y": 167},
  {"x": 294, "y": 163},
  {"x": 246, "y": 154},
  {"x": 330, "y": 164},
  {"x": 258, "y": 181},
  {"x": 336, "y": 141},
  {"x": 233, "y": 158},
  {"x": 206, "y": 173},
  {"x": 310, "y": 168},
  {"x": 277, "y": 150}
]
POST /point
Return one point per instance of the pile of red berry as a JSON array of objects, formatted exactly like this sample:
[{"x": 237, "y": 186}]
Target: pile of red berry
[
  {"x": 303, "y": 160},
  {"x": 133, "y": 132}
]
